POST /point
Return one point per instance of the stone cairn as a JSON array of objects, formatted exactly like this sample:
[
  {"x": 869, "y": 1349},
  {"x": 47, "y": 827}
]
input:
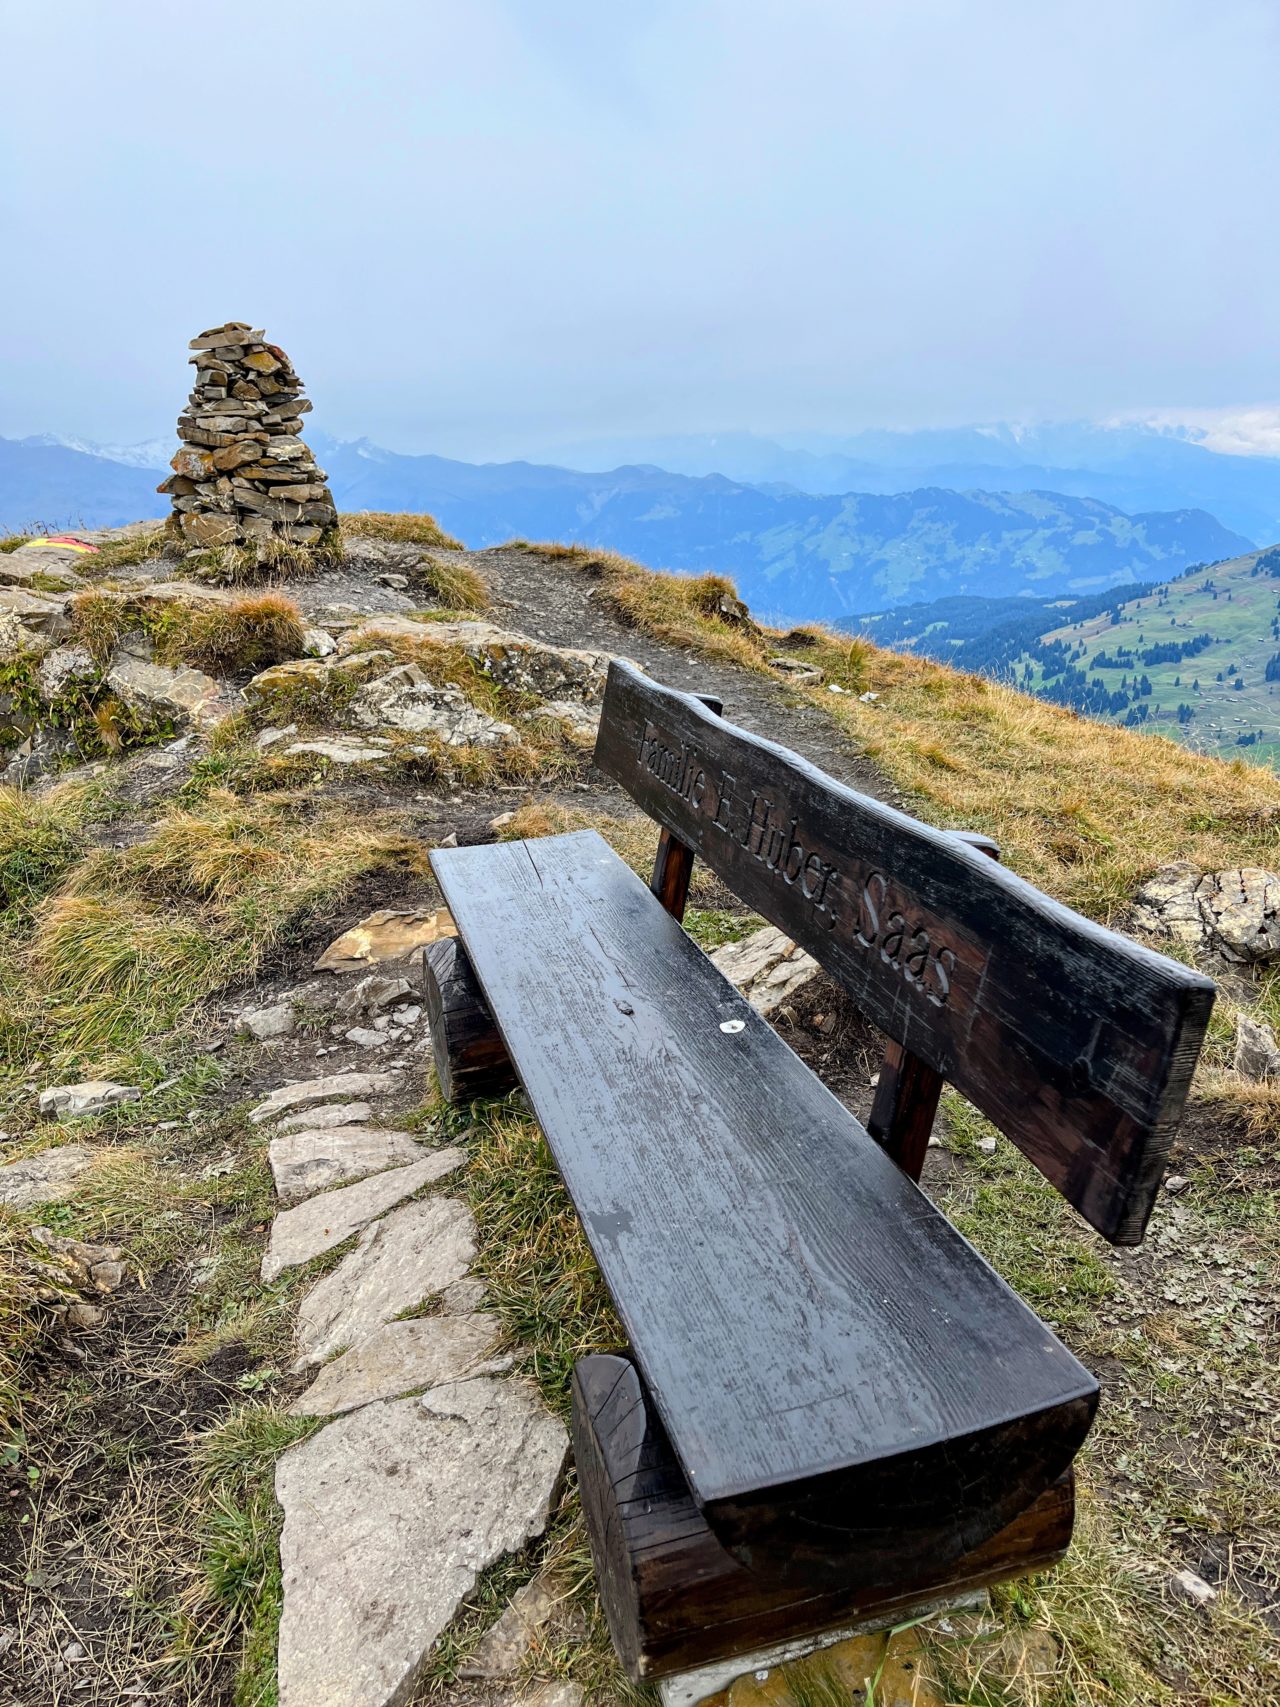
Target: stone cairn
[{"x": 243, "y": 474}]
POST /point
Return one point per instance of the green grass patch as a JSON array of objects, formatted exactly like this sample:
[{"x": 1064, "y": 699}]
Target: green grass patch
[
  {"x": 239, "y": 1536},
  {"x": 712, "y": 927},
  {"x": 136, "y": 936},
  {"x": 41, "y": 838},
  {"x": 534, "y": 1258}
]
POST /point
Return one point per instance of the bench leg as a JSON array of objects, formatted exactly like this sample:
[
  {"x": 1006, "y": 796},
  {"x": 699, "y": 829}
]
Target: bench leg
[
  {"x": 472, "y": 1063},
  {"x": 676, "y": 1600}
]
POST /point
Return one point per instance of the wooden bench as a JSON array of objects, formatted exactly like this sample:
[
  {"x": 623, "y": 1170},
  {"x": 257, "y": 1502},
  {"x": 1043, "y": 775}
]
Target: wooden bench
[{"x": 830, "y": 1409}]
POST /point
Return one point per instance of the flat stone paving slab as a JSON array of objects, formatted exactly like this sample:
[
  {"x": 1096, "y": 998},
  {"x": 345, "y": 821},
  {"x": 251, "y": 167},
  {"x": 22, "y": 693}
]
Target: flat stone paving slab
[
  {"x": 335, "y": 1114},
  {"x": 397, "y": 1264},
  {"x": 46, "y": 1176},
  {"x": 313, "y": 1159},
  {"x": 331, "y": 1088},
  {"x": 390, "y": 1515},
  {"x": 398, "y": 1358},
  {"x": 323, "y": 1222}
]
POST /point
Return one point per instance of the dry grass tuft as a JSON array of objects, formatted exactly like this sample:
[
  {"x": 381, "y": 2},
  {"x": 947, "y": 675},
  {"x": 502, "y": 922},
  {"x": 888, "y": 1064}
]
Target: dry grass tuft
[
  {"x": 276, "y": 559},
  {"x": 138, "y": 935},
  {"x": 98, "y": 622},
  {"x": 699, "y": 612},
  {"x": 553, "y": 551},
  {"x": 238, "y": 637},
  {"x": 245, "y": 636},
  {"x": 450, "y": 586},
  {"x": 404, "y": 528}
]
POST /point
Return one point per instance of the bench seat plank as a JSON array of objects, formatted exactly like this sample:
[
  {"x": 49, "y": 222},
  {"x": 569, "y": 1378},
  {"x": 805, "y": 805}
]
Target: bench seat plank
[{"x": 818, "y": 1339}]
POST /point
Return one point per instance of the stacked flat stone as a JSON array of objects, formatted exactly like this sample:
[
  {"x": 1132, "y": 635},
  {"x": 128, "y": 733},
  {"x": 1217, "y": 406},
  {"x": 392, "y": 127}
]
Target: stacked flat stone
[{"x": 243, "y": 473}]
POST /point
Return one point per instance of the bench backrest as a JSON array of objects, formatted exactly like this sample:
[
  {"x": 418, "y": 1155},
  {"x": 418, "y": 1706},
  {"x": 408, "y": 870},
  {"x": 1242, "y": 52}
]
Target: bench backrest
[{"x": 1077, "y": 1043}]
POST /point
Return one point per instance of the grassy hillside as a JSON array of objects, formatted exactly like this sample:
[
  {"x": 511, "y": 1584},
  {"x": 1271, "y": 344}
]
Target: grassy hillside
[
  {"x": 1085, "y": 810},
  {"x": 1230, "y": 706},
  {"x": 1186, "y": 658}
]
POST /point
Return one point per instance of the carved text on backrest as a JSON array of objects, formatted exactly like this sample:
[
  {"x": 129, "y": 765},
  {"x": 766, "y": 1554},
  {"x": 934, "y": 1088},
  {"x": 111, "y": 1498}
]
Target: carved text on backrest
[{"x": 861, "y": 906}]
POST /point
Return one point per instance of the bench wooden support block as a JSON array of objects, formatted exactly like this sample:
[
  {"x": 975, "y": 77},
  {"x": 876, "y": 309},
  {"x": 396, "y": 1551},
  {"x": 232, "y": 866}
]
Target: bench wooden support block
[
  {"x": 471, "y": 1059},
  {"x": 675, "y": 1599}
]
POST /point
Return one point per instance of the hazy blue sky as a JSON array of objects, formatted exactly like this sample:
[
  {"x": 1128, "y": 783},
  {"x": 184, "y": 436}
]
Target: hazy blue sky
[{"x": 486, "y": 227}]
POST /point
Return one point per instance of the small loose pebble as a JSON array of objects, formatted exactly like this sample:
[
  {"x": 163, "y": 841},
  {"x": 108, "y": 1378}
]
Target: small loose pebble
[{"x": 1195, "y": 1588}]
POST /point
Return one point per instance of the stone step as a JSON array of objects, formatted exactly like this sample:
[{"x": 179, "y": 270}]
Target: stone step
[
  {"x": 401, "y": 1358},
  {"x": 332, "y": 1088},
  {"x": 324, "y": 1222},
  {"x": 398, "y": 1263},
  {"x": 312, "y": 1159},
  {"x": 390, "y": 1515}
]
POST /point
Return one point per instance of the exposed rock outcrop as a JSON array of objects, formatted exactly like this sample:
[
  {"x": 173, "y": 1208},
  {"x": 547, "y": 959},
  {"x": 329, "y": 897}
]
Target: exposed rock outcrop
[
  {"x": 516, "y": 661},
  {"x": 1234, "y": 914},
  {"x": 767, "y": 967},
  {"x": 1257, "y": 1053},
  {"x": 407, "y": 699}
]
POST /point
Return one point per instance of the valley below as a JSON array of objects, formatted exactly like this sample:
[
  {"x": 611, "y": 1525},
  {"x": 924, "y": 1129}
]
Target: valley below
[{"x": 1196, "y": 658}]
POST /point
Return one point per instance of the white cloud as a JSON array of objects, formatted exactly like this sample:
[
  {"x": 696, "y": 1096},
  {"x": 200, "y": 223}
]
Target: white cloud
[{"x": 1249, "y": 431}]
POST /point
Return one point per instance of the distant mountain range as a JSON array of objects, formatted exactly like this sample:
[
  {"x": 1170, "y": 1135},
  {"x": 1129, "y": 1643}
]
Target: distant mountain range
[
  {"x": 1136, "y": 468},
  {"x": 794, "y": 553},
  {"x": 43, "y": 484}
]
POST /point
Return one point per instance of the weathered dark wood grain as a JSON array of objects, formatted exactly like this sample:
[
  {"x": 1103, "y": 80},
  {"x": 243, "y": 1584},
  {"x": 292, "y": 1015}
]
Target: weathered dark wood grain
[
  {"x": 836, "y": 1367},
  {"x": 672, "y": 871},
  {"x": 1076, "y": 1042},
  {"x": 675, "y": 1598},
  {"x": 471, "y": 1060},
  {"x": 673, "y": 862},
  {"x": 906, "y": 1100},
  {"x": 905, "y": 1107}
]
